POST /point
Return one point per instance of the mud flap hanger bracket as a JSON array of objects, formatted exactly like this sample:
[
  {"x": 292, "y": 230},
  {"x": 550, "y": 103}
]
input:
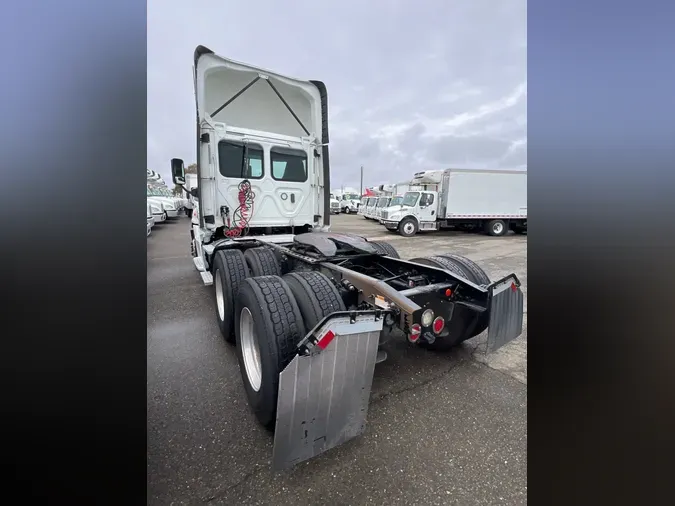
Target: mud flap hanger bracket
[{"x": 274, "y": 88}]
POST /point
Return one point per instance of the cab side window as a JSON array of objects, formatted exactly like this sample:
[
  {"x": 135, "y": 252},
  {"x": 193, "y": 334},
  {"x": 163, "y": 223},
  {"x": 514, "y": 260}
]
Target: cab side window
[{"x": 426, "y": 199}]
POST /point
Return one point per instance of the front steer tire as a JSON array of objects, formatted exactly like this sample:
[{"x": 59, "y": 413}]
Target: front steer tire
[
  {"x": 316, "y": 296},
  {"x": 278, "y": 327},
  {"x": 229, "y": 270},
  {"x": 408, "y": 227}
]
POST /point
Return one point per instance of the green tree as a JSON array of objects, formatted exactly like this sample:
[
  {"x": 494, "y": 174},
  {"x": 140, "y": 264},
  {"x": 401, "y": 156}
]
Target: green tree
[
  {"x": 191, "y": 169},
  {"x": 177, "y": 191}
]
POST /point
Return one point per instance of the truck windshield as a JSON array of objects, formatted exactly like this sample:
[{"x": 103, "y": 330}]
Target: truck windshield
[
  {"x": 396, "y": 201},
  {"x": 383, "y": 202},
  {"x": 155, "y": 192},
  {"x": 350, "y": 196},
  {"x": 371, "y": 201},
  {"x": 410, "y": 198}
]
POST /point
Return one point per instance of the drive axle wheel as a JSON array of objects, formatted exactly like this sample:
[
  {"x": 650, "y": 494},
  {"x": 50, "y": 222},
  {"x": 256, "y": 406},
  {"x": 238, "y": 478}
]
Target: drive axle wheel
[
  {"x": 229, "y": 270},
  {"x": 475, "y": 274},
  {"x": 473, "y": 271},
  {"x": 464, "y": 268},
  {"x": 441, "y": 263},
  {"x": 262, "y": 262},
  {"x": 316, "y": 296},
  {"x": 268, "y": 327},
  {"x": 385, "y": 248}
]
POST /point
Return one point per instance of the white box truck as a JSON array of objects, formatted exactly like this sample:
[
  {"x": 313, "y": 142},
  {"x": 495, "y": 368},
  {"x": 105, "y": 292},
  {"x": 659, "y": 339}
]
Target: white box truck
[
  {"x": 494, "y": 201},
  {"x": 305, "y": 308}
]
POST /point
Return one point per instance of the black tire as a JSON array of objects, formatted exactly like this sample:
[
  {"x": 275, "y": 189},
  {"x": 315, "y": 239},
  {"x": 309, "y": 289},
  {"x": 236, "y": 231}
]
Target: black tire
[
  {"x": 408, "y": 227},
  {"x": 316, "y": 296},
  {"x": 262, "y": 262},
  {"x": 347, "y": 211},
  {"x": 385, "y": 249},
  {"x": 278, "y": 325},
  {"x": 496, "y": 228},
  {"x": 442, "y": 263},
  {"x": 474, "y": 272},
  {"x": 229, "y": 271}
]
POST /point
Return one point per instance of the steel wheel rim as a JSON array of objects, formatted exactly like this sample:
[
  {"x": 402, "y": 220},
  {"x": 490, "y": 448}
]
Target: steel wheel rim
[
  {"x": 408, "y": 228},
  {"x": 220, "y": 300},
  {"x": 250, "y": 349},
  {"x": 498, "y": 228}
]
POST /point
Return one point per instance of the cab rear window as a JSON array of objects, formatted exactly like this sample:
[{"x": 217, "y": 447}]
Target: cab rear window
[
  {"x": 231, "y": 161},
  {"x": 288, "y": 164}
]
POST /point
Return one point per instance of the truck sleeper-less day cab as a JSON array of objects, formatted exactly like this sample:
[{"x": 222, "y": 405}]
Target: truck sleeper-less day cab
[
  {"x": 349, "y": 203},
  {"x": 394, "y": 204},
  {"x": 369, "y": 211},
  {"x": 169, "y": 204},
  {"x": 362, "y": 206},
  {"x": 382, "y": 204},
  {"x": 307, "y": 309},
  {"x": 494, "y": 201}
]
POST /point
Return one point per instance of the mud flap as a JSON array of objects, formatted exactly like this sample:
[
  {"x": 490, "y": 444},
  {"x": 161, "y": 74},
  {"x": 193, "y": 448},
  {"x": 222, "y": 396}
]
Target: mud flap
[
  {"x": 506, "y": 312},
  {"x": 324, "y": 392}
]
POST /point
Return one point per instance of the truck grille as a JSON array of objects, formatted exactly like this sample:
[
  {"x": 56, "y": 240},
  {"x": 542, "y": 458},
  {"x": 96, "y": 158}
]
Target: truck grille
[
  {"x": 385, "y": 215},
  {"x": 334, "y": 205}
]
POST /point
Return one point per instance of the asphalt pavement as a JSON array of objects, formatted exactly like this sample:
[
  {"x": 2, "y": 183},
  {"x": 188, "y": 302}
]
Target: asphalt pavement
[{"x": 443, "y": 428}]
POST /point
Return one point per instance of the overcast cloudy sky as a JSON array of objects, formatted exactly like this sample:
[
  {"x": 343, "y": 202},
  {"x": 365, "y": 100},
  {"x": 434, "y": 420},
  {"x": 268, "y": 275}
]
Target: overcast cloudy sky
[{"x": 412, "y": 84}]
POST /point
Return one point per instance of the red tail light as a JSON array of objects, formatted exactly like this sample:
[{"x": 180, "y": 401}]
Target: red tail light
[
  {"x": 439, "y": 324},
  {"x": 415, "y": 332}
]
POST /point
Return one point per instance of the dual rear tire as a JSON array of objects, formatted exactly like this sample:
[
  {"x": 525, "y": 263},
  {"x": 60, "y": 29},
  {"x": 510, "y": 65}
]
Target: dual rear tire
[{"x": 266, "y": 315}]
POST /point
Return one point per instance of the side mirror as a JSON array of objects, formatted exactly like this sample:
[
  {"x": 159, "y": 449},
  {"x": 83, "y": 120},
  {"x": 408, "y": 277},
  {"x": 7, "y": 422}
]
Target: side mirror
[{"x": 178, "y": 171}]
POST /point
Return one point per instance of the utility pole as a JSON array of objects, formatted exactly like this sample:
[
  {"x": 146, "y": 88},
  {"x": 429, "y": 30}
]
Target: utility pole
[{"x": 361, "y": 180}]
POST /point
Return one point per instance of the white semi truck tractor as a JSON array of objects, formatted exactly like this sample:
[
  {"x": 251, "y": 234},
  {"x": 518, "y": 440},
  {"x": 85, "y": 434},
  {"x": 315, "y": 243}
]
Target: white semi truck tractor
[{"x": 306, "y": 309}]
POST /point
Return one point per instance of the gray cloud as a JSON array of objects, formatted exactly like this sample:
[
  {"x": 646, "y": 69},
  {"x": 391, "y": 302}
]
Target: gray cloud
[{"x": 411, "y": 85}]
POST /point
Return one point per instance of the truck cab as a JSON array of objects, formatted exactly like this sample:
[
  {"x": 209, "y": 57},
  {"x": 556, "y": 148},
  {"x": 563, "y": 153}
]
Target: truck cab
[
  {"x": 418, "y": 211},
  {"x": 369, "y": 211},
  {"x": 382, "y": 203},
  {"x": 349, "y": 203},
  {"x": 362, "y": 206},
  {"x": 307, "y": 309},
  {"x": 393, "y": 205}
]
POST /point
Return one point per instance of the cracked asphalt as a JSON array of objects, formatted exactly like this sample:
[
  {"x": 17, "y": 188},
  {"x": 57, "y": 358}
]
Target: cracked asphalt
[{"x": 443, "y": 428}]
